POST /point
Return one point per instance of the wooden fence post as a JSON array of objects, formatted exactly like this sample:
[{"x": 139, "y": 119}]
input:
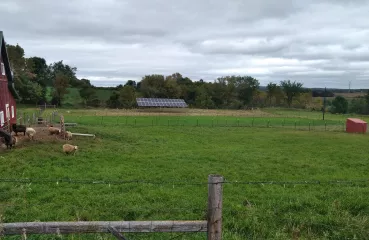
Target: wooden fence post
[
  {"x": 215, "y": 202},
  {"x": 62, "y": 127}
]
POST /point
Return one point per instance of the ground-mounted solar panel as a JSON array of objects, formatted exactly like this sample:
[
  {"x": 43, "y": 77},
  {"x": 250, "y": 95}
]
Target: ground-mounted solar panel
[{"x": 161, "y": 102}]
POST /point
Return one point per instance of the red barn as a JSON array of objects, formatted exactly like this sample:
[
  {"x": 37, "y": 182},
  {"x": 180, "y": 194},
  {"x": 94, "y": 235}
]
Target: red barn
[
  {"x": 355, "y": 125},
  {"x": 8, "y": 94}
]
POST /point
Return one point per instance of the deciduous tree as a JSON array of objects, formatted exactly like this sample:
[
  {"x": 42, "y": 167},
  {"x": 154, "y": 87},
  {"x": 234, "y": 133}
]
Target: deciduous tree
[
  {"x": 60, "y": 87},
  {"x": 16, "y": 58},
  {"x": 127, "y": 97},
  {"x": 291, "y": 90},
  {"x": 273, "y": 92},
  {"x": 131, "y": 83},
  {"x": 66, "y": 70},
  {"x": 153, "y": 86},
  {"x": 87, "y": 93},
  {"x": 113, "y": 101},
  {"x": 172, "y": 89},
  {"x": 203, "y": 99}
]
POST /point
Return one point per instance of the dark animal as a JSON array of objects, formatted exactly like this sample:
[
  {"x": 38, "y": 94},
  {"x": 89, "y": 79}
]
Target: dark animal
[
  {"x": 8, "y": 139},
  {"x": 19, "y": 128}
]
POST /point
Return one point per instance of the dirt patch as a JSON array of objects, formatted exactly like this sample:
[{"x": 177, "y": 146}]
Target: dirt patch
[
  {"x": 170, "y": 112},
  {"x": 42, "y": 135}
]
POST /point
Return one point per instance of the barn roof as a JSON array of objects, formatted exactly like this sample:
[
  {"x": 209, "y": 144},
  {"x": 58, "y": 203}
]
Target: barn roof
[
  {"x": 8, "y": 72},
  {"x": 356, "y": 120}
]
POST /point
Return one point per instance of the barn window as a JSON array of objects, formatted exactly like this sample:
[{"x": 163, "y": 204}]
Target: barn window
[
  {"x": 2, "y": 69},
  {"x": 12, "y": 111},
  {"x": 2, "y": 120},
  {"x": 7, "y": 111}
]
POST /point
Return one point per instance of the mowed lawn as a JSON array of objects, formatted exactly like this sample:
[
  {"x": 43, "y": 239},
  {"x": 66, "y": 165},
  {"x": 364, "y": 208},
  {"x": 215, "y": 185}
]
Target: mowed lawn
[{"x": 175, "y": 161}]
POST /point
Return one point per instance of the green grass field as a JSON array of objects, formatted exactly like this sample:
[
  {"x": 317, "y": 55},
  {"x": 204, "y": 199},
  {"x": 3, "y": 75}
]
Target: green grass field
[
  {"x": 178, "y": 158},
  {"x": 301, "y": 113},
  {"x": 73, "y": 98}
]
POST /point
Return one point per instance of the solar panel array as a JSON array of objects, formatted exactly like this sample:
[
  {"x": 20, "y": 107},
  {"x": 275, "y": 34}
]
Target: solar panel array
[{"x": 161, "y": 102}]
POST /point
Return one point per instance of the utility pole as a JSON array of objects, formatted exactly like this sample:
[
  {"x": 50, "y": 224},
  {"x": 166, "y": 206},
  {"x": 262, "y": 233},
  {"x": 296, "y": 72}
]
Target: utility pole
[
  {"x": 325, "y": 94},
  {"x": 349, "y": 86}
]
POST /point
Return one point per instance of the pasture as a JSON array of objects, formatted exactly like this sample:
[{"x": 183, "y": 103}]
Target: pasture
[{"x": 285, "y": 182}]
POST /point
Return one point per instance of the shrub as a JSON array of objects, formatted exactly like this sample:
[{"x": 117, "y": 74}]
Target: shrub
[
  {"x": 339, "y": 105},
  {"x": 358, "y": 105}
]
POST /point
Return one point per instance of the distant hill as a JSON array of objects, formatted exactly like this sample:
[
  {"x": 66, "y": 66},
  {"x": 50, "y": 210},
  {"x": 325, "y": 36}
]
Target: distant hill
[
  {"x": 335, "y": 90},
  {"x": 72, "y": 98}
]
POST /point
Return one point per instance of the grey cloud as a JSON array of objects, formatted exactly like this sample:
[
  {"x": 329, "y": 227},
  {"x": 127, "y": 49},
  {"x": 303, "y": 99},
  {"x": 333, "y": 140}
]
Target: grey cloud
[
  {"x": 251, "y": 10},
  {"x": 241, "y": 46},
  {"x": 113, "y": 40}
]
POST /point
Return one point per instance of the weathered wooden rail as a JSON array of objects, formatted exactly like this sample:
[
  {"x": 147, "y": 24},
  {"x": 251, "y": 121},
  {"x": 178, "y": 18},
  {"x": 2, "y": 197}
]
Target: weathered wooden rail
[
  {"x": 102, "y": 227},
  {"x": 212, "y": 226}
]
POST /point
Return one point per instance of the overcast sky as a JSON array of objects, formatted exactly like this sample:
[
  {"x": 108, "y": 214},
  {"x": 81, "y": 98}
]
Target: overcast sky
[{"x": 317, "y": 42}]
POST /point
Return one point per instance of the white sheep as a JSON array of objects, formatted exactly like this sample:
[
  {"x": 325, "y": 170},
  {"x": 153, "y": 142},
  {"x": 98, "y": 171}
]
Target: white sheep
[
  {"x": 68, "y": 135},
  {"x": 30, "y": 132},
  {"x": 68, "y": 148}
]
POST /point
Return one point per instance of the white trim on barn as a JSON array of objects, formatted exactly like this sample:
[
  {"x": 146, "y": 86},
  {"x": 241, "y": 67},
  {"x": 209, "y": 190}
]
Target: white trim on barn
[
  {"x": 2, "y": 120},
  {"x": 2, "y": 69},
  {"x": 12, "y": 111},
  {"x": 7, "y": 111}
]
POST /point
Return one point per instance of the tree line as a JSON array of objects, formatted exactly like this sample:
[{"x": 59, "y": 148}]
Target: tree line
[
  {"x": 227, "y": 92},
  {"x": 35, "y": 79}
]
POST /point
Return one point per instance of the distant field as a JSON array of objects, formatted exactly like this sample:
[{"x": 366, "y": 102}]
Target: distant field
[
  {"x": 347, "y": 95},
  {"x": 269, "y": 117},
  {"x": 351, "y": 95},
  {"x": 313, "y": 114},
  {"x": 208, "y": 121},
  {"x": 264, "y": 113},
  {"x": 104, "y": 94}
]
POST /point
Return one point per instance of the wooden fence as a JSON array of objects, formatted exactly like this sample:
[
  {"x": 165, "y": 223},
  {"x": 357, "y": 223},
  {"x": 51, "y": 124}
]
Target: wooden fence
[
  {"x": 36, "y": 118},
  {"x": 44, "y": 106},
  {"x": 212, "y": 226}
]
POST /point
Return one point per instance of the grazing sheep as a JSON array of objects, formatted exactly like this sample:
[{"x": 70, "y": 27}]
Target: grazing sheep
[
  {"x": 8, "y": 140},
  {"x": 19, "y": 128},
  {"x": 68, "y": 135},
  {"x": 54, "y": 130},
  {"x": 68, "y": 148},
  {"x": 14, "y": 140},
  {"x": 30, "y": 133}
]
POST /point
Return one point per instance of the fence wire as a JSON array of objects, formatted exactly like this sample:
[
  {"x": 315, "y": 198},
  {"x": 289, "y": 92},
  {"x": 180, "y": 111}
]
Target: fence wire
[{"x": 176, "y": 182}]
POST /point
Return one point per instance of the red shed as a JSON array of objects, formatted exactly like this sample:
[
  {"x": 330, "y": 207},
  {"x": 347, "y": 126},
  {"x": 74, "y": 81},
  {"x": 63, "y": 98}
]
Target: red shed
[
  {"x": 355, "y": 125},
  {"x": 8, "y": 94}
]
